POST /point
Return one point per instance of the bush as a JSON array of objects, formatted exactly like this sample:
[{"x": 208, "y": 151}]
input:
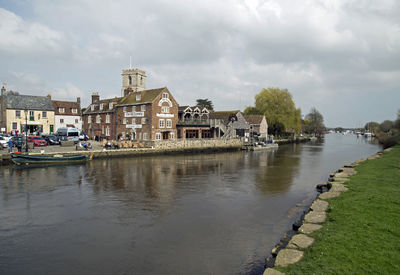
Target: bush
[{"x": 388, "y": 141}]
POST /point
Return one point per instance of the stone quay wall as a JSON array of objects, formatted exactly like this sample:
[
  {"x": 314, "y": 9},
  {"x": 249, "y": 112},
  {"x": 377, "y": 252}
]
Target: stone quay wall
[{"x": 187, "y": 144}]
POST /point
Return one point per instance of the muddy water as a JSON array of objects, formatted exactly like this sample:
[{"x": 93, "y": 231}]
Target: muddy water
[{"x": 187, "y": 214}]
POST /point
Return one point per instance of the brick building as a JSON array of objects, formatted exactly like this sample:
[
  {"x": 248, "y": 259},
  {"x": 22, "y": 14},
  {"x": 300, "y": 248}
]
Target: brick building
[
  {"x": 67, "y": 113},
  {"x": 139, "y": 114},
  {"x": 193, "y": 122}
]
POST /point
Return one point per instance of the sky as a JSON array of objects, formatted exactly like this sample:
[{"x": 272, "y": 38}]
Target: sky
[{"x": 341, "y": 57}]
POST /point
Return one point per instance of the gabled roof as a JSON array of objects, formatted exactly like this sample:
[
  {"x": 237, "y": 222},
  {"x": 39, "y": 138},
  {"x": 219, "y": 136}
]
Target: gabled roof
[
  {"x": 68, "y": 105},
  {"x": 30, "y": 102},
  {"x": 226, "y": 115},
  {"x": 147, "y": 96},
  {"x": 254, "y": 119}
]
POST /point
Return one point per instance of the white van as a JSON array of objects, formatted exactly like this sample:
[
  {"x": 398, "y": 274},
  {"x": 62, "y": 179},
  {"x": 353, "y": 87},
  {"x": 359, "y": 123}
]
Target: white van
[{"x": 68, "y": 133}]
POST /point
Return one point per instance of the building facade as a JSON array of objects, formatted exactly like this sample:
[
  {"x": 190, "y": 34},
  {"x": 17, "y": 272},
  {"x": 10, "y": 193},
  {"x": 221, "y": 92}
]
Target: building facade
[
  {"x": 20, "y": 113},
  {"x": 258, "y": 125},
  {"x": 67, "y": 113},
  {"x": 139, "y": 114},
  {"x": 193, "y": 122},
  {"x": 229, "y": 124}
]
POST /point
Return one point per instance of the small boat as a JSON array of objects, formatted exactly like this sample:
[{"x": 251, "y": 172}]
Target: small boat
[{"x": 19, "y": 158}]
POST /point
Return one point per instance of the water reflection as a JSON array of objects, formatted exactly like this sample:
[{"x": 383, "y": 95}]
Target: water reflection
[{"x": 195, "y": 214}]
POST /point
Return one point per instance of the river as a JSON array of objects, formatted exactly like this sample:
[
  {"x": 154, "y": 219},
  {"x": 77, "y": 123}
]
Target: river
[{"x": 183, "y": 214}]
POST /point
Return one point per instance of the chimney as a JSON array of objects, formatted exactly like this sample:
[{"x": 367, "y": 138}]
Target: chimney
[
  {"x": 95, "y": 98},
  {"x": 78, "y": 100},
  {"x": 3, "y": 91},
  {"x": 127, "y": 91}
]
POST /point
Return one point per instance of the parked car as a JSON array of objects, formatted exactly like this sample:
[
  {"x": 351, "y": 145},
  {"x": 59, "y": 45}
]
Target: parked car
[
  {"x": 3, "y": 143},
  {"x": 6, "y": 137},
  {"x": 52, "y": 140},
  {"x": 37, "y": 141}
]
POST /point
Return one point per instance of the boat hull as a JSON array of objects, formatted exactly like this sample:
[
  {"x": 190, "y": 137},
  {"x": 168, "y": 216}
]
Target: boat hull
[{"x": 42, "y": 159}]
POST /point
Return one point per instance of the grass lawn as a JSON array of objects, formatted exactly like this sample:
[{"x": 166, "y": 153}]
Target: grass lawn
[{"x": 362, "y": 232}]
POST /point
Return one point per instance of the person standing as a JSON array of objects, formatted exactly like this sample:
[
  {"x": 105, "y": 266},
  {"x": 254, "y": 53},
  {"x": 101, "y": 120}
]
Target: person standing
[{"x": 10, "y": 145}]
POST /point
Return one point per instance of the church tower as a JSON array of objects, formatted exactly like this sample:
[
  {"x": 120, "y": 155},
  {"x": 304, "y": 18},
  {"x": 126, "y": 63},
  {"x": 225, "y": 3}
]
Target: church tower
[{"x": 134, "y": 79}]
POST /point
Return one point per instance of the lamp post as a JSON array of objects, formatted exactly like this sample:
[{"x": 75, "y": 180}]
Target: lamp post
[{"x": 26, "y": 130}]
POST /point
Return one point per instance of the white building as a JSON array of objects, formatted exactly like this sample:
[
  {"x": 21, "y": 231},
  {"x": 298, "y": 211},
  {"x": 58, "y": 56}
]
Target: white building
[{"x": 67, "y": 113}]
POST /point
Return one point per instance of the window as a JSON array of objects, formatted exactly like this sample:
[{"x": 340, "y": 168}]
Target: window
[
  {"x": 165, "y": 95},
  {"x": 101, "y": 106},
  {"x": 108, "y": 131},
  {"x": 143, "y": 120},
  {"x": 124, "y": 110},
  {"x": 31, "y": 115},
  {"x": 98, "y": 119},
  {"x": 130, "y": 80},
  {"x": 92, "y": 107},
  {"x": 14, "y": 125},
  {"x": 171, "y": 135},
  {"x": 74, "y": 110},
  {"x": 110, "y": 106},
  {"x": 164, "y": 109},
  {"x": 61, "y": 110},
  {"x": 138, "y": 97},
  {"x": 133, "y": 108},
  {"x": 17, "y": 114},
  {"x": 76, "y": 120},
  {"x": 158, "y": 136},
  {"x": 169, "y": 123},
  {"x": 144, "y": 136},
  {"x": 133, "y": 120},
  {"x": 61, "y": 120},
  {"x": 44, "y": 114},
  {"x": 89, "y": 119},
  {"x": 107, "y": 118},
  {"x": 102, "y": 129},
  {"x": 161, "y": 123},
  {"x": 141, "y": 80},
  {"x": 143, "y": 108},
  {"x": 124, "y": 120}
]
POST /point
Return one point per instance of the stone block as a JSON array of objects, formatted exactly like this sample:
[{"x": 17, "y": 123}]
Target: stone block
[
  {"x": 315, "y": 217},
  {"x": 338, "y": 187},
  {"x": 300, "y": 241},
  {"x": 288, "y": 256},
  {"x": 271, "y": 271},
  {"x": 319, "y": 205},
  {"x": 308, "y": 228},
  {"x": 329, "y": 195}
]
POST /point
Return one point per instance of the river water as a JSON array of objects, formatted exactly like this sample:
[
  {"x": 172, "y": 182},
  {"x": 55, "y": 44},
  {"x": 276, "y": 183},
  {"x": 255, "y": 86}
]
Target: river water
[{"x": 184, "y": 214}]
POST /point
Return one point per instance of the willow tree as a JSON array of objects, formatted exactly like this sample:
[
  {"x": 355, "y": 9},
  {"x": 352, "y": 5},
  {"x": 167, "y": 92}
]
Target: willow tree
[{"x": 279, "y": 109}]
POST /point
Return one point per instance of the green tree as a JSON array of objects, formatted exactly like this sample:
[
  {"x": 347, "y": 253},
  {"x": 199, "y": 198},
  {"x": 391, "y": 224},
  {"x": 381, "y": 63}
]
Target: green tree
[
  {"x": 205, "y": 103},
  {"x": 386, "y": 126},
  {"x": 372, "y": 126},
  {"x": 278, "y": 107},
  {"x": 316, "y": 125},
  {"x": 252, "y": 111}
]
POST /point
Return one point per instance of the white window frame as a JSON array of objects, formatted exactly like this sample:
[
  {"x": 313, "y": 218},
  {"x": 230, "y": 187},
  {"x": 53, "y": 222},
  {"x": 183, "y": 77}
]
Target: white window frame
[
  {"x": 16, "y": 125},
  {"x": 133, "y": 108},
  {"x": 171, "y": 135},
  {"x": 124, "y": 109},
  {"x": 101, "y": 106},
  {"x": 124, "y": 120},
  {"x": 110, "y": 105},
  {"x": 89, "y": 119},
  {"x": 92, "y": 107},
  {"x": 44, "y": 114},
  {"x": 61, "y": 110},
  {"x": 143, "y": 108},
  {"x": 133, "y": 120},
  {"x": 102, "y": 129},
  {"x": 169, "y": 123},
  {"x": 108, "y": 131},
  {"x": 143, "y": 120},
  {"x": 165, "y": 109},
  {"x": 138, "y": 97},
  {"x": 145, "y": 136},
  {"x": 17, "y": 114},
  {"x": 165, "y": 95},
  {"x": 74, "y": 110},
  {"x": 161, "y": 123},
  {"x": 158, "y": 136},
  {"x": 107, "y": 118},
  {"x": 98, "y": 119}
]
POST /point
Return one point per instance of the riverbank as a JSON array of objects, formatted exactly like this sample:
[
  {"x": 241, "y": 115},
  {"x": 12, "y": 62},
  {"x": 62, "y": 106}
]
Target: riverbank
[{"x": 353, "y": 228}]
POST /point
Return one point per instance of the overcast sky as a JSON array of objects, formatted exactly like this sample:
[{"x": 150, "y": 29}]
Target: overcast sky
[{"x": 342, "y": 57}]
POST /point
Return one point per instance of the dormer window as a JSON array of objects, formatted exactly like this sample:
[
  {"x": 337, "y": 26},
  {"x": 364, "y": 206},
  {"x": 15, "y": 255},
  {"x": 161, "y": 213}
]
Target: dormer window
[
  {"x": 74, "y": 110},
  {"x": 110, "y": 106},
  {"x": 165, "y": 95},
  {"x": 61, "y": 110},
  {"x": 92, "y": 107},
  {"x": 101, "y": 106},
  {"x": 138, "y": 97}
]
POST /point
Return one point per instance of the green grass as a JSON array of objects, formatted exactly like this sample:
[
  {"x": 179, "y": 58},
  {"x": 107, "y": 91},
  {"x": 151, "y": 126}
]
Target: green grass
[{"x": 362, "y": 232}]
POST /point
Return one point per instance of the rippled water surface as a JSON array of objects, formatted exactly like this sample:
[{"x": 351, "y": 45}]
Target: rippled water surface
[{"x": 185, "y": 214}]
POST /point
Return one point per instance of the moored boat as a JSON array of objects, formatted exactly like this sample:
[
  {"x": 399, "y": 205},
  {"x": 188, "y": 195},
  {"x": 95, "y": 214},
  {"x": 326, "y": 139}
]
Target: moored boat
[{"x": 48, "y": 159}]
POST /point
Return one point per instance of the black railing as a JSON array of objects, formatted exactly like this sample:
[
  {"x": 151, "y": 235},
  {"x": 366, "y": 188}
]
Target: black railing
[{"x": 194, "y": 122}]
